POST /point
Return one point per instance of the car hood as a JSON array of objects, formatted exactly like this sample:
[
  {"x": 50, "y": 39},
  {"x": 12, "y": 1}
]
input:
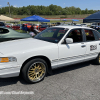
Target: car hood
[{"x": 23, "y": 45}]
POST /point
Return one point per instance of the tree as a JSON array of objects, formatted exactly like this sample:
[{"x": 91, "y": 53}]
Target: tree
[
  {"x": 45, "y": 10},
  {"x": 86, "y": 11}
]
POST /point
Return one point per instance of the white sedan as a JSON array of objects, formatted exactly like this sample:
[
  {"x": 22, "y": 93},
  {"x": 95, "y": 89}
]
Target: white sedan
[{"x": 52, "y": 48}]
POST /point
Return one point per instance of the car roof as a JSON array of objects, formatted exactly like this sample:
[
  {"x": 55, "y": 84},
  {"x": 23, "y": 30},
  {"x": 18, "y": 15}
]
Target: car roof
[{"x": 72, "y": 27}]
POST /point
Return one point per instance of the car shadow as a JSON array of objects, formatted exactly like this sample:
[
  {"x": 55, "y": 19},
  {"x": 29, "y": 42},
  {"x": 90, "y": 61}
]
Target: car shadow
[
  {"x": 14, "y": 80},
  {"x": 70, "y": 67}
]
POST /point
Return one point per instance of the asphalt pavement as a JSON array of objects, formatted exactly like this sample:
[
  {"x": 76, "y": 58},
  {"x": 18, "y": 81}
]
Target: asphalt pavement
[{"x": 75, "y": 82}]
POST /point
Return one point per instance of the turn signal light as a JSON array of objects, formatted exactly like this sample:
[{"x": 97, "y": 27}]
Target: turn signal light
[{"x": 4, "y": 59}]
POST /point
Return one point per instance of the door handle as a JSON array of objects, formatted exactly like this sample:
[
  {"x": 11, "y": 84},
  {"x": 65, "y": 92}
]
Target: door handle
[{"x": 83, "y": 46}]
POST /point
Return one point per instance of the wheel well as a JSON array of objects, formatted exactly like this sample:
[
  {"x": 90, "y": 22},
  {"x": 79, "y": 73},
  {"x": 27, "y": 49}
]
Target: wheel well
[{"x": 42, "y": 57}]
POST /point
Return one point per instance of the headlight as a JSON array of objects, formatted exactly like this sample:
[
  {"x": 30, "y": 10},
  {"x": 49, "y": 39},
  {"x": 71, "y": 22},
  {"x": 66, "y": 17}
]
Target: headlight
[{"x": 7, "y": 59}]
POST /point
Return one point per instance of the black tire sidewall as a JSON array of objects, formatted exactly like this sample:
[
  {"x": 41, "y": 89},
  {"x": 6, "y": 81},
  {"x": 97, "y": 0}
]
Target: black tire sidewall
[{"x": 96, "y": 61}]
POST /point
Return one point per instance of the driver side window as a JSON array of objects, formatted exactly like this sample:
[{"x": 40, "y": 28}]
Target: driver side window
[{"x": 76, "y": 35}]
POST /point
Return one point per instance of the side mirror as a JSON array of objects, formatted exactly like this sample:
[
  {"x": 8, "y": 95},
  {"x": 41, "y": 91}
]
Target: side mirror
[{"x": 69, "y": 40}]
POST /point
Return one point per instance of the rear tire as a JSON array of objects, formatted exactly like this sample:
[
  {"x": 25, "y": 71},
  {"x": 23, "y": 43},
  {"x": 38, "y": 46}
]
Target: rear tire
[
  {"x": 35, "y": 70},
  {"x": 97, "y": 60}
]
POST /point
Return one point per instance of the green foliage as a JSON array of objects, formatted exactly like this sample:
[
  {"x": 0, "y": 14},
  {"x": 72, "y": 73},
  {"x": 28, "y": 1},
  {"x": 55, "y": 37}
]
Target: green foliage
[{"x": 44, "y": 10}]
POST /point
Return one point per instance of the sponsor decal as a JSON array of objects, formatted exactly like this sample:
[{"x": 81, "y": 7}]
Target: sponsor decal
[{"x": 93, "y": 47}]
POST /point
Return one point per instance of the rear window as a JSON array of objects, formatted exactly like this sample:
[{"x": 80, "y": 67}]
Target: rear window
[
  {"x": 97, "y": 34},
  {"x": 89, "y": 35}
]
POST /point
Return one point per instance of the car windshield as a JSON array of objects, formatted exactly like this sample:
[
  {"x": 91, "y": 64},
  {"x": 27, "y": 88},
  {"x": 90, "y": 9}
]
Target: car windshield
[{"x": 53, "y": 34}]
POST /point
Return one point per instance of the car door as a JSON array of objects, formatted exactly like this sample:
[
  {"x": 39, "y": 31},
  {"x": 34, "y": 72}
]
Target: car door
[
  {"x": 93, "y": 44},
  {"x": 74, "y": 52}
]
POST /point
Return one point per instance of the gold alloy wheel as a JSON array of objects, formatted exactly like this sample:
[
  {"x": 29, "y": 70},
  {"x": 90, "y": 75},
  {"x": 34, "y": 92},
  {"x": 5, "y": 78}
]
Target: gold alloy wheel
[
  {"x": 36, "y": 71},
  {"x": 99, "y": 58}
]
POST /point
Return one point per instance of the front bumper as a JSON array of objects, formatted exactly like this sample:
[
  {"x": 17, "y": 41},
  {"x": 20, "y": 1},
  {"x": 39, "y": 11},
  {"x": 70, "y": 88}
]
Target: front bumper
[{"x": 9, "y": 70}]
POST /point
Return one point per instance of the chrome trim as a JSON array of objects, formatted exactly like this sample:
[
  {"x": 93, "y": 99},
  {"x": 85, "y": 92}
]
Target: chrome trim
[
  {"x": 71, "y": 63},
  {"x": 56, "y": 60},
  {"x": 9, "y": 75},
  {"x": 74, "y": 57}
]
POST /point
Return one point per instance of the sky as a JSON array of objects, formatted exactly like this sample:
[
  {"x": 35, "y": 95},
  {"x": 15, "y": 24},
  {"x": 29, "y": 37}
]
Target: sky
[{"x": 82, "y": 4}]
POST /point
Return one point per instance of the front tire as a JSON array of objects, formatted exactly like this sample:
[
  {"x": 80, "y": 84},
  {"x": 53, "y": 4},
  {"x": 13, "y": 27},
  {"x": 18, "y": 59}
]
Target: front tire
[{"x": 35, "y": 70}]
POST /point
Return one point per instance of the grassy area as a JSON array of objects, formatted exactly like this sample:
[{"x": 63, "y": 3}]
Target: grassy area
[
  {"x": 52, "y": 16},
  {"x": 21, "y": 31}
]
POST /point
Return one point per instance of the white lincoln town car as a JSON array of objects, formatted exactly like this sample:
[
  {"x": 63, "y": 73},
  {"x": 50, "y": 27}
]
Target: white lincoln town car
[{"x": 52, "y": 48}]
